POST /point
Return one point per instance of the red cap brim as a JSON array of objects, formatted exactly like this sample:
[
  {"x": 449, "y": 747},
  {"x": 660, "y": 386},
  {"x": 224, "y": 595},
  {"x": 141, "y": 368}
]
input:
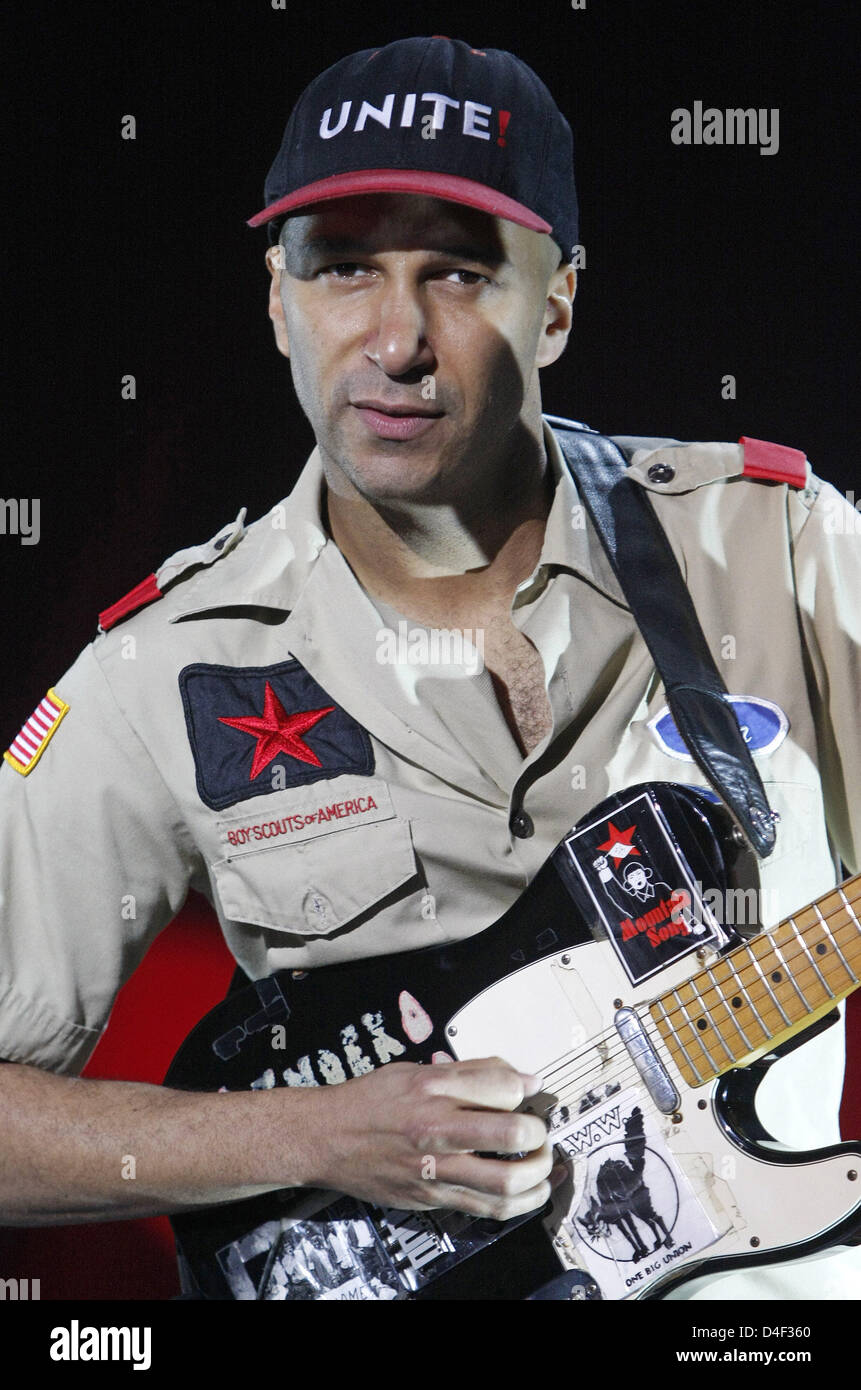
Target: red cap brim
[{"x": 450, "y": 187}]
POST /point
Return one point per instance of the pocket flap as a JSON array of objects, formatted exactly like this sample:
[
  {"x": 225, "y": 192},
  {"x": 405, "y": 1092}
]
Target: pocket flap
[{"x": 292, "y": 871}]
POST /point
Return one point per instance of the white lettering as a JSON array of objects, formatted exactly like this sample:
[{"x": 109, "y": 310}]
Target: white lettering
[
  {"x": 440, "y": 105},
  {"x": 358, "y": 1063},
  {"x": 326, "y": 131},
  {"x": 76, "y": 1343},
  {"x": 474, "y": 119},
  {"x": 383, "y": 113},
  {"x": 385, "y": 1046}
]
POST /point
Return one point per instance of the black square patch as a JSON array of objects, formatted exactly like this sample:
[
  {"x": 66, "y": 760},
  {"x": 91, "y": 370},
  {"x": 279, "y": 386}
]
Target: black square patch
[{"x": 244, "y": 722}]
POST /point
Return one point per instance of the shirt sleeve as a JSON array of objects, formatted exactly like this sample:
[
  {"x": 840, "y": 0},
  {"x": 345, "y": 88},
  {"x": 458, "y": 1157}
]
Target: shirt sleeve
[
  {"x": 94, "y": 860},
  {"x": 828, "y": 579}
]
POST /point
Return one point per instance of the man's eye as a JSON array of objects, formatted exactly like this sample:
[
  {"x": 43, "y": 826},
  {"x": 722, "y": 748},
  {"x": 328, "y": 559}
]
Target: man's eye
[
  {"x": 344, "y": 270},
  {"x": 466, "y": 277}
]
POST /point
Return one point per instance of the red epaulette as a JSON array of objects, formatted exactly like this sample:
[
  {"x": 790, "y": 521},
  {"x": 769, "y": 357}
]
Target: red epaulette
[
  {"x": 145, "y": 592},
  {"x": 774, "y": 462}
]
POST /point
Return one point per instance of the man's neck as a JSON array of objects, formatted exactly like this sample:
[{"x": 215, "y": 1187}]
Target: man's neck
[{"x": 440, "y": 562}]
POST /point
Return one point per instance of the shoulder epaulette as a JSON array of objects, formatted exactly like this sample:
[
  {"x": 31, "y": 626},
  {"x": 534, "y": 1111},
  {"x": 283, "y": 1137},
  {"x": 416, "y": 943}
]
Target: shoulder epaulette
[
  {"x": 154, "y": 586},
  {"x": 774, "y": 462}
]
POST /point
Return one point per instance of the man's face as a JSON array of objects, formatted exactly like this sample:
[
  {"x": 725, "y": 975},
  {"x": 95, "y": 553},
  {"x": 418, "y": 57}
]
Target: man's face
[{"x": 415, "y": 329}]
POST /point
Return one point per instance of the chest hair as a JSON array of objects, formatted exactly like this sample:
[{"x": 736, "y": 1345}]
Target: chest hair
[{"x": 517, "y": 672}]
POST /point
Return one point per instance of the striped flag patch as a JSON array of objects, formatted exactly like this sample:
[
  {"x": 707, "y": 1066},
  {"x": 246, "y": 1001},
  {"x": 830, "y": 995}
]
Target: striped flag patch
[{"x": 25, "y": 751}]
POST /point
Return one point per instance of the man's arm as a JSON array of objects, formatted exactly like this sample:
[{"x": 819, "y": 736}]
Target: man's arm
[{"x": 404, "y": 1135}]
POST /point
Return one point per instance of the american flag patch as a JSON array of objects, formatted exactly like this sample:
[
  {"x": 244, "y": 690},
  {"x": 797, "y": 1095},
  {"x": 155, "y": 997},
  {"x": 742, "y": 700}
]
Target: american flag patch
[{"x": 25, "y": 751}]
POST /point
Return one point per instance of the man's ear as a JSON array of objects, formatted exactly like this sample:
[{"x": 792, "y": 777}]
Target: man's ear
[
  {"x": 558, "y": 314},
  {"x": 275, "y": 263}
]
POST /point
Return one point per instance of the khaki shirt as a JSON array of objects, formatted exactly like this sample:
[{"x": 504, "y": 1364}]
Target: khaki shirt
[{"x": 103, "y": 837}]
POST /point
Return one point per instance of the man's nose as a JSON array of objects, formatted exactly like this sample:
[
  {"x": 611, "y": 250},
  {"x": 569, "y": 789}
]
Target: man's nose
[{"x": 397, "y": 341}]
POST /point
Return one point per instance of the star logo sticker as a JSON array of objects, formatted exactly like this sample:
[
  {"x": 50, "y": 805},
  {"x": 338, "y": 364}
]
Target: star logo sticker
[
  {"x": 277, "y": 732},
  {"x": 619, "y": 844}
]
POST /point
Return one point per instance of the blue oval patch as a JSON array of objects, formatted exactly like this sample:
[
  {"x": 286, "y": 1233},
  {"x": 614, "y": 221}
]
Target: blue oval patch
[{"x": 763, "y": 724}]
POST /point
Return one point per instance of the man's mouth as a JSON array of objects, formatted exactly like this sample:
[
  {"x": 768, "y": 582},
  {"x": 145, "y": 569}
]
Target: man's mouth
[{"x": 396, "y": 420}]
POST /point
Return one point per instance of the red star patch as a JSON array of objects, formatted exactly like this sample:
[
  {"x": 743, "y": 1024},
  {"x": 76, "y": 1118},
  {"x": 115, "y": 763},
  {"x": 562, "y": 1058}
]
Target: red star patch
[
  {"x": 619, "y": 844},
  {"x": 277, "y": 732}
]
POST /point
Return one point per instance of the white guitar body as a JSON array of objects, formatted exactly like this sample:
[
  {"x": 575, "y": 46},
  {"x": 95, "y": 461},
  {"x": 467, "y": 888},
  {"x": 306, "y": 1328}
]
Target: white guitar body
[{"x": 719, "y": 1195}]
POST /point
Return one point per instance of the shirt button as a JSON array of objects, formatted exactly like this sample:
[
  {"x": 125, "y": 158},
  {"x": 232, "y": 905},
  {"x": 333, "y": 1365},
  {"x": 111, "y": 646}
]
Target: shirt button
[
  {"x": 661, "y": 473},
  {"x": 521, "y": 825}
]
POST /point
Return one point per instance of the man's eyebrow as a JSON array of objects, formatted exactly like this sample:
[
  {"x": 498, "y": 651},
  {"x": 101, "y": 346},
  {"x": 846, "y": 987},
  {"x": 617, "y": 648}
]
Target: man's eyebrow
[{"x": 463, "y": 251}]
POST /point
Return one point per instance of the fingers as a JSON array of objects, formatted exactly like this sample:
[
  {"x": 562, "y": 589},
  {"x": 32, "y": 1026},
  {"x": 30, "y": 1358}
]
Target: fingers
[
  {"x": 497, "y": 1177},
  {"x": 446, "y": 1130},
  {"x": 495, "y": 1188},
  {"x": 486, "y": 1082}
]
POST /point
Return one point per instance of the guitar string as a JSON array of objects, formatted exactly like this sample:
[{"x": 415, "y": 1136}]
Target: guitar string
[
  {"x": 566, "y": 1079},
  {"x": 588, "y": 1068},
  {"x": 593, "y": 1067},
  {"x": 568, "y": 1088},
  {"x": 791, "y": 950},
  {"x": 753, "y": 995}
]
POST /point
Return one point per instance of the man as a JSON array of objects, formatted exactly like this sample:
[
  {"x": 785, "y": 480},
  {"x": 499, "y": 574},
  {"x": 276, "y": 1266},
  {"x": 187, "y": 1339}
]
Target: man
[{"x": 425, "y": 218}]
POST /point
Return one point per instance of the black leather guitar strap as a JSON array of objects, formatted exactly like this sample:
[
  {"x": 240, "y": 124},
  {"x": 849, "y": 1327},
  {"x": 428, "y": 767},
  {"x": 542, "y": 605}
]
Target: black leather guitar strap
[{"x": 652, "y": 583}]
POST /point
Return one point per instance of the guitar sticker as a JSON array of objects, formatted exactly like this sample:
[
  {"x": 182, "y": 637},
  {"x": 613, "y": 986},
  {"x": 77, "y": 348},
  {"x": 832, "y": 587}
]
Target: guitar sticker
[
  {"x": 415, "y": 1021},
  {"x": 637, "y": 1213},
  {"x": 631, "y": 872}
]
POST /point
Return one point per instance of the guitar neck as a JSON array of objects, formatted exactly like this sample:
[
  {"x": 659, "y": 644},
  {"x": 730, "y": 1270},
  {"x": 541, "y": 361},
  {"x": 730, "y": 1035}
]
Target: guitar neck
[{"x": 762, "y": 993}]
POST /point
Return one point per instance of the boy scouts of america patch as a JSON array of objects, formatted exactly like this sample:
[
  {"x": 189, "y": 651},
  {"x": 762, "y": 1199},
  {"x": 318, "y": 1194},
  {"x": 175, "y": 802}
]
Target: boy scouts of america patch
[
  {"x": 27, "y": 748},
  {"x": 258, "y": 729}
]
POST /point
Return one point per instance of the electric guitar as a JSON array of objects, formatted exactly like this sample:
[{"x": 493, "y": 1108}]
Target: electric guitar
[{"x": 624, "y": 978}]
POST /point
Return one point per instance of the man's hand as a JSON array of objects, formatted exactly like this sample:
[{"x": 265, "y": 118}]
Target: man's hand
[
  {"x": 404, "y": 1135},
  {"x": 411, "y": 1136}
]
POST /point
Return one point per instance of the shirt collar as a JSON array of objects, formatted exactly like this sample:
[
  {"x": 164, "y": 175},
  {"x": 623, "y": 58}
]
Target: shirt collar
[
  {"x": 571, "y": 543},
  {"x": 278, "y": 553}
]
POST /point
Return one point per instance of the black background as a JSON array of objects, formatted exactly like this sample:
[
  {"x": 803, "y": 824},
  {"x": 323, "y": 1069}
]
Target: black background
[{"x": 133, "y": 257}]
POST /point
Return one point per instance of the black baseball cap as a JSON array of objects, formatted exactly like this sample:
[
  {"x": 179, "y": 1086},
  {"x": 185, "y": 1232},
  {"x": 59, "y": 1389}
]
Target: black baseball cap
[{"x": 430, "y": 115}]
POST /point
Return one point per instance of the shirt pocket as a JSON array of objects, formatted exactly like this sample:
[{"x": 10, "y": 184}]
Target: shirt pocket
[{"x": 311, "y": 865}]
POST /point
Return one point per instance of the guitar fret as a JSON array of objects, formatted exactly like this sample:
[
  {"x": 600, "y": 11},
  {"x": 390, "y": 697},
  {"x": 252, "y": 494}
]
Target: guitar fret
[
  {"x": 777, "y": 1004},
  {"x": 853, "y": 916},
  {"x": 707, "y": 1013},
  {"x": 833, "y": 939},
  {"x": 743, "y": 988},
  {"x": 696, "y": 1032},
  {"x": 723, "y": 1000},
  {"x": 774, "y": 1000},
  {"x": 848, "y": 906},
  {"x": 788, "y": 973},
  {"x": 804, "y": 946},
  {"x": 659, "y": 1003}
]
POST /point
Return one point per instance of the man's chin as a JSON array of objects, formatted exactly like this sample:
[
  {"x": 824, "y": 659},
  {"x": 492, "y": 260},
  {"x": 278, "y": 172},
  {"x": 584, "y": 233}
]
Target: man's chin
[
  {"x": 384, "y": 485},
  {"x": 386, "y": 470}
]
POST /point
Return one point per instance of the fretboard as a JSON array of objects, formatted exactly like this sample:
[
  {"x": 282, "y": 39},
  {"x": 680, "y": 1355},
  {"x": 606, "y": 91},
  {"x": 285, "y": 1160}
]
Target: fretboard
[{"x": 762, "y": 993}]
